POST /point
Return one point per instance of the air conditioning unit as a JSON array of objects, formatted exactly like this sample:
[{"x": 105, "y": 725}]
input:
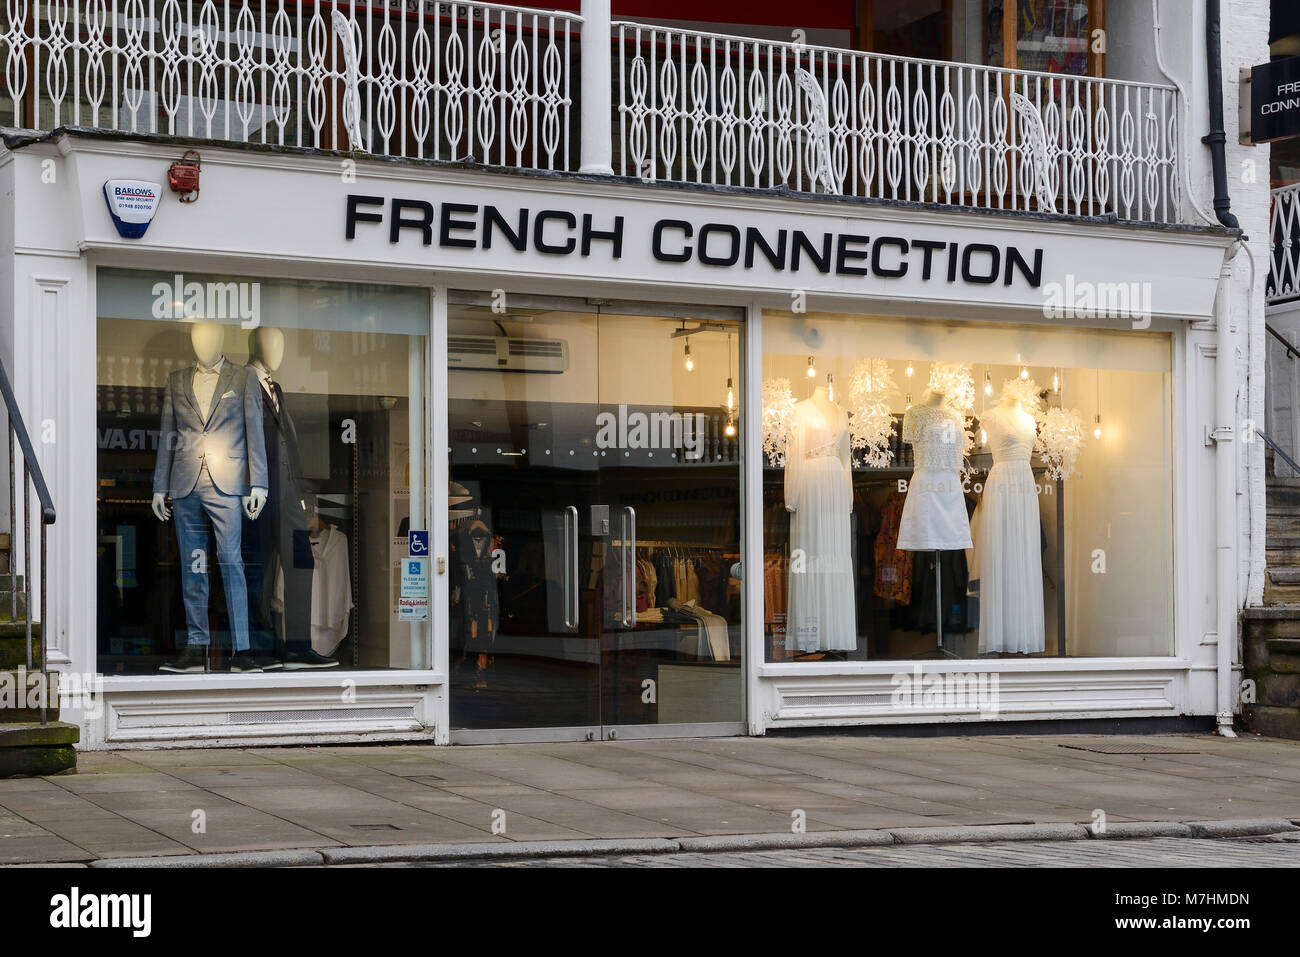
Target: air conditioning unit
[{"x": 507, "y": 354}]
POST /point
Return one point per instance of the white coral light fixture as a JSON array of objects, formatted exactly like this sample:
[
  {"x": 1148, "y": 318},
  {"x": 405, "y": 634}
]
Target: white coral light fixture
[{"x": 871, "y": 421}]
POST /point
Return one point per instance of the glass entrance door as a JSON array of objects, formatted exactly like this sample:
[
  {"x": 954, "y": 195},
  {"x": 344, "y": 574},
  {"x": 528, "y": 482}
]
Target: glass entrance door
[{"x": 594, "y": 520}]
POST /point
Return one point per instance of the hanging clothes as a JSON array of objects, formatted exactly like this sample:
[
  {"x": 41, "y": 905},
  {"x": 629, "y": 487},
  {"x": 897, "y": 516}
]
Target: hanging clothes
[
  {"x": 893, "y": 567},
  {"x": 331, "y": 590}
]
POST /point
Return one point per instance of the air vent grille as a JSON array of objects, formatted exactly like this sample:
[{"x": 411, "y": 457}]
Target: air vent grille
[
  {"x": 830, "y": 700},
  {"x": 551, "y": 348},
  {"x": 319, "y": 714},
  {"x": 474, "y": 345}
]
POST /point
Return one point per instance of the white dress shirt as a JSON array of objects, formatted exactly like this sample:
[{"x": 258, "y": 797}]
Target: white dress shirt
[
  {"x": 264, "y": 377},
  {"x": 205, "y": 384}
]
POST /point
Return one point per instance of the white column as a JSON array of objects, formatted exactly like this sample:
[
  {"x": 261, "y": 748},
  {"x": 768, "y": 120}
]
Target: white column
[{"x": 597, "y": 109}]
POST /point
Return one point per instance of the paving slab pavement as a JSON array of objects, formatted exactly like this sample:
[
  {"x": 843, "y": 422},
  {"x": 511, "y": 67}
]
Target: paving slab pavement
[{"x": 184, "y": 802}]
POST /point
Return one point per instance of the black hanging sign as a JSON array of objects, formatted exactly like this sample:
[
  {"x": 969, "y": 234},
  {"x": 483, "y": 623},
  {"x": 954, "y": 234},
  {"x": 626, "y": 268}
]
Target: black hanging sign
[{"x": 1274, "y": 101}]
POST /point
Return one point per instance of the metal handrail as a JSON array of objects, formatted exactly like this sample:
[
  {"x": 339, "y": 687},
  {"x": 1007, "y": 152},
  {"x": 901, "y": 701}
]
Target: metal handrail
[
  {"x": 1277, "y": 449},
  {"x": 1290, "y": 349},
  {"x": 33, "y": 478}
]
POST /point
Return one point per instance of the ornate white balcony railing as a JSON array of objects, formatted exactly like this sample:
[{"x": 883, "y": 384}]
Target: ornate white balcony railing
[
  {"x": 1284, "y": 260},
  {"x": 427, "y": 80},
  {"x": 706, "y": 108}
]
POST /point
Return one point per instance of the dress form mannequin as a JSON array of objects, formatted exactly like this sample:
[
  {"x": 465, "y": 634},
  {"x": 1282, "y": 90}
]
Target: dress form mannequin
[
  {"x": 283, "y": 533},
  {"x": 211, "y": 458},
  {"x": 819, "y": 493},
  {"x": 934, "y": 517},
  {"x": 1010, "y": 546}
]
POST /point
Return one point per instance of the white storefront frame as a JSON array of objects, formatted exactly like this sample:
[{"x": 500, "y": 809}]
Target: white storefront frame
[{"x": 57, "y": 255}]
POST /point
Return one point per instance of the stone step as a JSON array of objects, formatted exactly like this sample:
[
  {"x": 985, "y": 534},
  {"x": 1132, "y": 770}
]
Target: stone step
[
  {"x": 30, "y": 749},
  {"x": 1281, "y": 629},
  {"x": 1277, "y": 494},
  {"x": 1285, "y": 575},
  {"x": 1276, "y": 593},
  {"x": 20, "y": 698},
  {"x": 13, "y": 643}
]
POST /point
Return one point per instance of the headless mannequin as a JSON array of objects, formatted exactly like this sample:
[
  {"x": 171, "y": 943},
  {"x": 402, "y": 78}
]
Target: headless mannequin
[
  {"x": 211, "y": 460},
  {"x": 934, "y": 516},
  {"x": 206, "y": 337},
  {"x": 821, "y": 399},
  {"x": 284, "y": 533},
  {"x": 1011, "y": 404},
  {"x": 266, "y": 346}
]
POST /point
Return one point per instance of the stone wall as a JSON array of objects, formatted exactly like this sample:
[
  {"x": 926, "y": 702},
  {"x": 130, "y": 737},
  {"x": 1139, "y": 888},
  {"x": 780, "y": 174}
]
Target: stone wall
[{"x": 1271, "y": 643}]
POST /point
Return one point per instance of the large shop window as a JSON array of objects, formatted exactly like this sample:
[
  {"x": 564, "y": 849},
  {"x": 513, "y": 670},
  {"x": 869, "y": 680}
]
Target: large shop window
[
  {"x": 260, "y": 463},
  {"x": 949, "y": 489}
]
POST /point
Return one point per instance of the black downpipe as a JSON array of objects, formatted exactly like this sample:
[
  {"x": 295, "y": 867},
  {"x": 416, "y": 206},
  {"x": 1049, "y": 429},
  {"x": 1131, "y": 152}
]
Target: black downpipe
[{"x": 1217, "y": 137}]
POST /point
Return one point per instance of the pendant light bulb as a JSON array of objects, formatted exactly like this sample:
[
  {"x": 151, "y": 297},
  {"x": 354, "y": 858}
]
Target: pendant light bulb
[
  {"x": 690, "y": 363},
  {"x": 1096, "y": 431},
  {"x": 908, "y": 371},
  {"x": 731, "y": 397},
  {"x": 730, "y": 430},
  {"x": 1024, "y": 372},
  {"x": 988, "y": 382},
  {"x": 909, "y": 400},
  {"x": 812, "y": 368},
  {"x": 1056, "y": 381}
]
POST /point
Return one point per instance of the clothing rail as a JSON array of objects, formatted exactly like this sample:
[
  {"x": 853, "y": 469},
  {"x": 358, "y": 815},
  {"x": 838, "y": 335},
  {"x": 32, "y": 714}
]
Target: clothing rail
[{"x": 33, "y": 479}]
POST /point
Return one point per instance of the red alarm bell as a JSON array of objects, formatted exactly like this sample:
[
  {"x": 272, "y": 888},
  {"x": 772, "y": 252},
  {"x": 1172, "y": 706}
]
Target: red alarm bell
[{"x": 183, "y": 177}]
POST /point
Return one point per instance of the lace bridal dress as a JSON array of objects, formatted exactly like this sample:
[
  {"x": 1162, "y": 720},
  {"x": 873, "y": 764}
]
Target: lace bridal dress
[
  {"x": 1010, "y": 547},
  {"x": 819, "y": 493},
  {"x": 934, "y": 515}
]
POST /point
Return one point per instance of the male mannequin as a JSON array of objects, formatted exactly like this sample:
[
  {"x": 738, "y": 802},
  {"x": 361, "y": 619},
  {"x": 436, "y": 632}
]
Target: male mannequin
[
  {"x": 284, "y": 530},
  {"x": 211, "y": 455}
]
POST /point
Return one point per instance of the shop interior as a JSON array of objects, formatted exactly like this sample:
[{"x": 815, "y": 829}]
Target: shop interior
[{"x": 595, "y": 516}]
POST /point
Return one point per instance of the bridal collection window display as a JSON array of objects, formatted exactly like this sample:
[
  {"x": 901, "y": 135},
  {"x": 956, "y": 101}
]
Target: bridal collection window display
[
  {"x": 930, "y": 507},
  {"x": 254, "y": 450}
]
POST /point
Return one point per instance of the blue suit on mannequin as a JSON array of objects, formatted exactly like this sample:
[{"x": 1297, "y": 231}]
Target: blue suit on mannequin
[{"x": 211, "y": 454}]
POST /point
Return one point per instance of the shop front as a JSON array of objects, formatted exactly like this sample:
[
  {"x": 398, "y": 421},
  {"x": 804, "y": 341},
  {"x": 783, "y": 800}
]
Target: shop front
[{"x": 403, "y": 453}]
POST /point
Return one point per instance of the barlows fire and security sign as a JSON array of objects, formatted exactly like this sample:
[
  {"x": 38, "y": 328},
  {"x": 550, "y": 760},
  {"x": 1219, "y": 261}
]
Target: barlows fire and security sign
[{"x": 132, "y": 204}]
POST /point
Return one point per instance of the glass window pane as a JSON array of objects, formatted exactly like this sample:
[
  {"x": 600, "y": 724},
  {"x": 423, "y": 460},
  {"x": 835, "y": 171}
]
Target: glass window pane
[
  {"x": 256, "y": 448},
  {"x": 1011, "y": 483}
]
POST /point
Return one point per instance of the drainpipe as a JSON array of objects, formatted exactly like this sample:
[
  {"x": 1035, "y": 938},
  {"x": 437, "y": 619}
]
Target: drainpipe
[
  {"x": 1225, "y": 411},
  {"x": 1216, "y": 138},
  {"x": 1225, "y": 503},
  {"x": 596, "y": 153}
]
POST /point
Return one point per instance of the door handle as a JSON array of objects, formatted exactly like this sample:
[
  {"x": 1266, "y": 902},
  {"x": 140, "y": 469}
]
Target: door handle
[
  {"x": 570, "y": 560},
  {"x": 629, "y": 567}
]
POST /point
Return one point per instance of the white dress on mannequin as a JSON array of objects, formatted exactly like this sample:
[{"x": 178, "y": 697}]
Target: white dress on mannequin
[
  {"x": 1010, "y": 545},
  {"x": 819, "y": 493},
  {"x": 934, "y": 515}
]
